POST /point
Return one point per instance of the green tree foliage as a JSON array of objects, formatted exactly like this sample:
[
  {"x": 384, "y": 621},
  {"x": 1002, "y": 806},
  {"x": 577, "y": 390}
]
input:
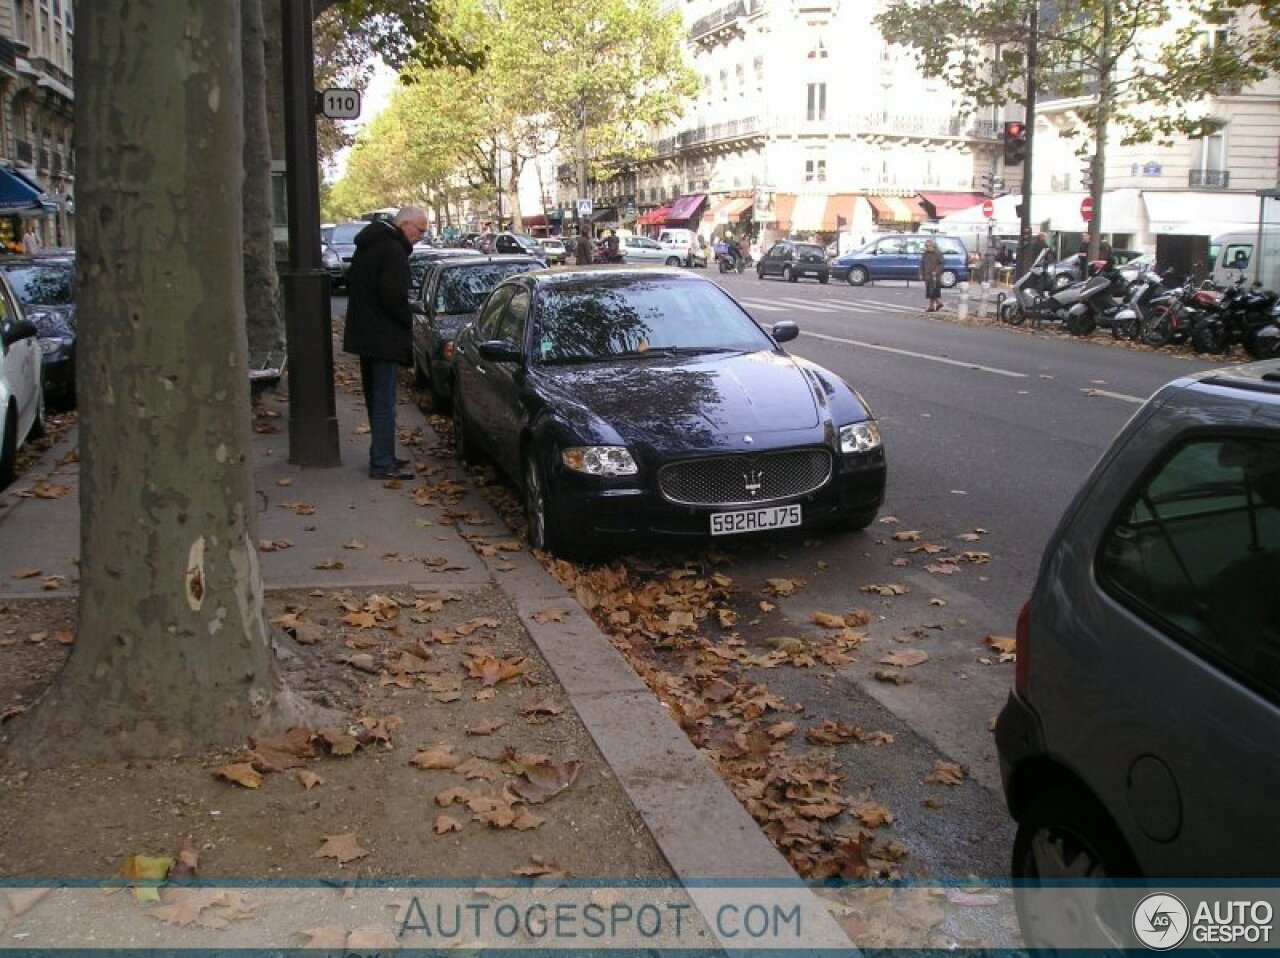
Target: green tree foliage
[{"x": 553, "y": 71}]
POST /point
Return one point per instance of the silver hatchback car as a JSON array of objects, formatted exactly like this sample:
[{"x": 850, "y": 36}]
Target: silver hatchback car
[{"x": 1140, "y": 740}]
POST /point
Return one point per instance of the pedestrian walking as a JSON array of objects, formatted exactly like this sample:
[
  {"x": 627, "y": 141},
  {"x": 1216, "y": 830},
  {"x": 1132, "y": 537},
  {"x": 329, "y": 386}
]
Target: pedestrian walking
[
  {"x": 31, "y": 239},
  {"x": 380, "y": 327},
  {"x": 582, "y": 252},
  {"x": 931, "y": 273}
]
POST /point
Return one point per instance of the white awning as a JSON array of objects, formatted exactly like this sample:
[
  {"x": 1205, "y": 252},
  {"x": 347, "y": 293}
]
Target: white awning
[
  {"x": 1202, "y": 213},
  {"x": 1122, "y": 212},
  {"x": 807, "y": 215}
]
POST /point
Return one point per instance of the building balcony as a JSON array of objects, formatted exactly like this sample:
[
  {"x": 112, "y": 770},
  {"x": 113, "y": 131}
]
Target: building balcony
[
  {"x": 888, "y": 125},
  {"x": 8, "y": 55},
  {"x": 1208, "y": 179},
  {"x": 724, "y": 23}
]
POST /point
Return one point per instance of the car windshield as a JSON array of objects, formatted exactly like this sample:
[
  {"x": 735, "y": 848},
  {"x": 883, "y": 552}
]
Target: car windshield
[
  {"x": 463, "y": 288},
  {"x": 804, "y": 249},
  {"x": 43, "y": 285},
  {"x": 631, "y": 317}
]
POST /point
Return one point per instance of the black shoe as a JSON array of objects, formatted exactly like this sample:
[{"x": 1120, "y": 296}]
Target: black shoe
[
  {"x": 393, "y": 474},
  {"x": 399, "y": 464}
]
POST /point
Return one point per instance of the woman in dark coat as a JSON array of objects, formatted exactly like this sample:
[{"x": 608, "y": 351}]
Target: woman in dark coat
[{"x": 931, "y": 273}]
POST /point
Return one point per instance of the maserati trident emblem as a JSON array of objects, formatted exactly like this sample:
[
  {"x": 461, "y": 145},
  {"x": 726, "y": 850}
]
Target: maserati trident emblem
[
  {"x": 753, "y": 479},
  {"x": 748, "y": 440}
]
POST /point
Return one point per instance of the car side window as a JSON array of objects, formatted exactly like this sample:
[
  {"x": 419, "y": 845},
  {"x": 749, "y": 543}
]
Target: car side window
[
  {"x": 949, "y": 246},
  {"x": 511, "y": 325},
  {"x": 1237, "y": 255},
  {"x": 777, "y": 250},
  {"x": 1196, "y": 552},
  {"x": 892, "y": 247},
  {"x": 913, "y": 247},
  {"x": 487, "y": 322}
]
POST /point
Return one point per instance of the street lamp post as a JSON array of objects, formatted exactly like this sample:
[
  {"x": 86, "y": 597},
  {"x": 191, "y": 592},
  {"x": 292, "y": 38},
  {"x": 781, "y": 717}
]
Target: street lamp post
[
  {"x": 1029, "y": 126},
  {"x": 313, "y": 419}
]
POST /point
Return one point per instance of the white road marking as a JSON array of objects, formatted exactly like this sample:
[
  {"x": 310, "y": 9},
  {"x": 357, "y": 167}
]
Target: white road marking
[
  {"x": 994, "y": 370},
  {"x": 1125, "y": 397},
  {"x": 766, "y": 307},
  {"x": 805, "y": 304}
]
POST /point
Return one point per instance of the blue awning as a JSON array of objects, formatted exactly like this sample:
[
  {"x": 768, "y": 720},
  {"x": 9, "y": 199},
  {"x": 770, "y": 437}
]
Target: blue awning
[{"x": 18, "y": 194}]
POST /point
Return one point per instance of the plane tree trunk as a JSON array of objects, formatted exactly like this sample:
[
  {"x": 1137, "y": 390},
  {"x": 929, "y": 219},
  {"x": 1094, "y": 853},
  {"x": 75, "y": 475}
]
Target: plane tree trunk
[
  {"x": 263, "y": 317},
  {"x": 172, "y": 652}
]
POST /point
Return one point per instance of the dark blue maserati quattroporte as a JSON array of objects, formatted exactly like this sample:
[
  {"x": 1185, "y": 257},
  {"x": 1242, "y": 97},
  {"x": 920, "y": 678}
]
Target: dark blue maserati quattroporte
[{"x": 647, "y": 402}]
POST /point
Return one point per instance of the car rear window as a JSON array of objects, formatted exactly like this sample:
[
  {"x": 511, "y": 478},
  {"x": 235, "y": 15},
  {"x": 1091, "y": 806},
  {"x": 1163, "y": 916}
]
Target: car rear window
[
  {"x": 463, "y": 288},
  {"x": 347, "y": 232},
  {"x": 633, "y": 317}
]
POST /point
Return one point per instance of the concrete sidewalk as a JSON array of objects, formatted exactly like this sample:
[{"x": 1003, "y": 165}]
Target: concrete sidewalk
[{"x": 411, "y": 539}]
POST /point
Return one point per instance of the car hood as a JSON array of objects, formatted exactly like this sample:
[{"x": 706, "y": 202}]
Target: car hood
[{"x": 697, "y": 403}]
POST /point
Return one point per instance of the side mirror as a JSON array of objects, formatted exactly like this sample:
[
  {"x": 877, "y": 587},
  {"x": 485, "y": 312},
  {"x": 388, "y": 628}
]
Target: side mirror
[
  {"x": 14, "y": 332},
  {"x": 499, "y": 351},
  {"x": 784, "y": 331}
]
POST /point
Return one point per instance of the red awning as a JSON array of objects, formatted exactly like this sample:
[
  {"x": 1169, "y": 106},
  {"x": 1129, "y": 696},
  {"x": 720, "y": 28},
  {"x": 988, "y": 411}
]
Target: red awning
[
  {"x": 654, "y": 217},
  {"x": 537, "y": 219},
  {"x": 945, "y": 203},
  {"x": 686, "y": 207}
]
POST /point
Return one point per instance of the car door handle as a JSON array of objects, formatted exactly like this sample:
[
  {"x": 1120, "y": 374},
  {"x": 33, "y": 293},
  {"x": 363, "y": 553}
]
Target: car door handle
[{"x": 481, "y": 371}]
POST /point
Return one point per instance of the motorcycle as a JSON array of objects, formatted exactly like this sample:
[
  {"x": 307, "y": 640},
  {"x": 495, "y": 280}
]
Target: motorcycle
[
  {"x": 1174, "y": 313},
  {"x": 1240, "y": 315},
  {"x": 1101, "y": 301},
  {"x": 603, "y": 253},
  {"x": 1034, "y": 297},
  {"x": 728, "y": 263}
]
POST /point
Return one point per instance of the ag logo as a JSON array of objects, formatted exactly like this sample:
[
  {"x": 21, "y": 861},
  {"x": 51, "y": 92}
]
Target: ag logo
[{"x": 1161, "y": 921}]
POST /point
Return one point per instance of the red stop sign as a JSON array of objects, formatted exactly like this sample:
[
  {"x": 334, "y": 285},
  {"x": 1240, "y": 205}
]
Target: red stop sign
[
  {"x": 1086, "y": 209},
  {"x": 988, "y": 209}
]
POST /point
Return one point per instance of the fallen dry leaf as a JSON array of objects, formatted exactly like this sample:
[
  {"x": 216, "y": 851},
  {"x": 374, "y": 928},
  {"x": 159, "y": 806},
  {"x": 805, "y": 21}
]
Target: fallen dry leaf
[
  {"x": 487, "y": 727},
  {"x": 892, "y": 588},
  {"x": 946, "y": 773},
  {"x": 894, "y": 676},
  {"x": 542, "y": 707},
  {"x": 550, "y": 615},
  {"x": 27, "y": 573},
  {"x": 446, "y": 823},
  {"x": 491, "y": 671},
  {"x": 543, "y": 781},
  {"x": 242, "y": 773},
  {"x": 438, "y": 756},
  {"x": 829, "y": 621},
  {"x": 25, "y": 899},
  {"x": 1007, "y": 647},
  {"x": 344, "y": 848},
  {"x": 906, "y": 658},
  {"x": 309, "y": 780},
  {"x": 912, "y": 535}
]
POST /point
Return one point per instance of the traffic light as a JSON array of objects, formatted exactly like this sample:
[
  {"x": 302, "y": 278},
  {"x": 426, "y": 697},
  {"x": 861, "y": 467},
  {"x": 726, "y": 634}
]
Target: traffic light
[
  {"x": 988, "y": 184},
  {"x": 1015, "y": 142}
]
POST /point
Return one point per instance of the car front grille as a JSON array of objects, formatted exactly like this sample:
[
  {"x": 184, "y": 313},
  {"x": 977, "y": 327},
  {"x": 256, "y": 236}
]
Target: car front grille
[{"x": 745, "y": 480}]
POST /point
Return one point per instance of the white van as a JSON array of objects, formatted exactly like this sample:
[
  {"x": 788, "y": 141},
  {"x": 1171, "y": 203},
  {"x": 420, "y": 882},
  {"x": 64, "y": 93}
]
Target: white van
[
  {"x": 1232, "y": 255},
  {"x": 685, "y": 246}
]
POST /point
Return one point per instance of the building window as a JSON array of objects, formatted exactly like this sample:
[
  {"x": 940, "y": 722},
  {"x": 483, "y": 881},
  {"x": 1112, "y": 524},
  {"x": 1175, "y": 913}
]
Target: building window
[
  {"x": 817, "y": 108},
  {"x": 1211, "y": 152},
  {"x": 759, "y": 68},
  {"x": 741, "y": 72},
  {"x": 815, "y": 167},
  {"x": 818, "y": 50}
]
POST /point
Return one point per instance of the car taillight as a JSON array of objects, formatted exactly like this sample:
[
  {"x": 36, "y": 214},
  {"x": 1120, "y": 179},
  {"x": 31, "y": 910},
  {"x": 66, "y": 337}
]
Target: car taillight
[
  {"x": 1021, "y": 643},
  {"x": 448, "y": 350}
]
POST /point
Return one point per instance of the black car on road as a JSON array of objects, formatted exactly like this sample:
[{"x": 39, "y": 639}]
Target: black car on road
[
  {"x": 45, "y": 284},
  {"x": 792, "y": 260},
  {"x": 633, "y": 402},
  {"x": 451, "y": 289}
]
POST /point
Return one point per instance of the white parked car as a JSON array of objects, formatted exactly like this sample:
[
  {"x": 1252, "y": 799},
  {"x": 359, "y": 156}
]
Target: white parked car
[
  {"x": 641, "y": 249},
  {"x": 684, "y": 247},
  {"x": 21, "y": 395}
]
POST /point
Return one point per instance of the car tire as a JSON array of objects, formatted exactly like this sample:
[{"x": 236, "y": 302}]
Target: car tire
[
  {"x": 1064, "y": 833},
  {"x": 858, "y": 276},
  {"x": 420, "y": 377},
  {"x": 440, "y": 400},
  {"x": 37, "y": 430},
  {"x": 9, "y": 447},
  {"x": 673, "y": 261},
  {"x": 760, "y": 272},
  {"x": 545, "y": 531},
  {"x": 949, "y": 278},
  {"x": 824, "y": 279},
  {"x": 788, "y": 275},
  {"x": 464, "y": 446}
]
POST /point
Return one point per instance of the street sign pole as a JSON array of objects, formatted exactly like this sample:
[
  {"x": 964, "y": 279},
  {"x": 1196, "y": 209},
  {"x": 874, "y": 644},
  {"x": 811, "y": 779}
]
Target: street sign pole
[{"x": 1029, "y": 118}]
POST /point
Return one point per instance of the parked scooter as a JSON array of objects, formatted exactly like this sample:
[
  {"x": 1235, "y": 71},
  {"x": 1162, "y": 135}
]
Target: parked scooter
[
  {"x": 1101, "y": 300},
  {"x": 1145, "y": 294},
  {"x": 1033, "y": 296}
]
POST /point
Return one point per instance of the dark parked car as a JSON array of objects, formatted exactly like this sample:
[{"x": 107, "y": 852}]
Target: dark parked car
[
  {"x": 341, "y": 238},
  {"x": 1139, "y": 739},
  {"x": 631, "y": 402},
  {"x": 420, "y": 261},
  {"x": 453, "y": 288},
  {"x": 792, "y": 260},
  {"x": 46, "y": 286},
  {"x": 898, "y": 256}
]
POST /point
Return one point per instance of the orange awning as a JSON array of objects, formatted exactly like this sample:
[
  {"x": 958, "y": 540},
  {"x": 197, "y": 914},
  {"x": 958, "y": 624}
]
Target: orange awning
[
  {"x": 733, "y": 210},
  {"x": 839, "y": 212},
  {"x": 897, "y": 209},
  {"x": 783, "y": 204}
]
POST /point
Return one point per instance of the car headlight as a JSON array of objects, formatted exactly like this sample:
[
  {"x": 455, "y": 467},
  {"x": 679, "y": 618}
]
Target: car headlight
[
  {"x": 859, "y": 437},
  {"x": 54, "y": 344},
  {"x": 600, "y": 460},
  {"x": 330, "y": 259}
]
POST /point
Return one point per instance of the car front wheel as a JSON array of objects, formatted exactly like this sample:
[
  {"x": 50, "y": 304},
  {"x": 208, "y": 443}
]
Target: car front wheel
[
  {"x": 545, "y": 530},
  {"x": 673, "y": 260},
  {"x": 788, "y": 275},
  {"x": 949, "y": 278},
  {"x": 858, "y": 276},
  {"x": 463, "y": 446},
  {"x": 824, "y": 278}
]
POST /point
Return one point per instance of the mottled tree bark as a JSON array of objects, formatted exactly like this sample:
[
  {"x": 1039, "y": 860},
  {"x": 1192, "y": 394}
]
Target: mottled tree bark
[
  {"x": 172, "y": 652},
  {"x": 263, "y": 315}
]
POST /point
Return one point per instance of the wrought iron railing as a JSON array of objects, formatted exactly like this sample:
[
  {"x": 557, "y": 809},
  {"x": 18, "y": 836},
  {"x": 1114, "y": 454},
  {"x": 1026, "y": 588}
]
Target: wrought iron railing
[{"x": 1209, "y": 179}]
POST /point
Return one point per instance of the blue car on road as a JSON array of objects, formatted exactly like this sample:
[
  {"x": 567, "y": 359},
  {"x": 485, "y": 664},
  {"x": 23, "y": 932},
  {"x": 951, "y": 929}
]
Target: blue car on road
[{"x": 898, "y": 257}]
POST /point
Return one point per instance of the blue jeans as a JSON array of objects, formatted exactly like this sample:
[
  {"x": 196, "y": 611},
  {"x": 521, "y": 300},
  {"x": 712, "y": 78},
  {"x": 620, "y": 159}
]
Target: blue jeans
[{"x": 378, "y": 378}]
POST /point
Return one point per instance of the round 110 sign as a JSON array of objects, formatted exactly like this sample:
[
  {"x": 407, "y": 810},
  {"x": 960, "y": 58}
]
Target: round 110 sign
[{"x": 1086, "y": 209}]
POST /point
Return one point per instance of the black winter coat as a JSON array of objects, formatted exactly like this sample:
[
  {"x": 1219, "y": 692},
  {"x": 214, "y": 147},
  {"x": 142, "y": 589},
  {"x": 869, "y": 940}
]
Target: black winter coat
[{"x": 379, "y": 321}]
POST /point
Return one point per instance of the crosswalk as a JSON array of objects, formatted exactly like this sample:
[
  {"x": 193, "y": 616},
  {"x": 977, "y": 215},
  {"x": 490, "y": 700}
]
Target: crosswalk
[{"x": 784, "y": 304}]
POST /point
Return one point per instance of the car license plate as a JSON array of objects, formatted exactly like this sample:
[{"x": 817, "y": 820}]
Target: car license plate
[{"x": 755, "y": 520}]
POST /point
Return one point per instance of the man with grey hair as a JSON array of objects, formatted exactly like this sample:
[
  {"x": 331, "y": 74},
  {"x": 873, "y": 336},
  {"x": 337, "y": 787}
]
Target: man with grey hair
[{"x": 380, "y": 327}]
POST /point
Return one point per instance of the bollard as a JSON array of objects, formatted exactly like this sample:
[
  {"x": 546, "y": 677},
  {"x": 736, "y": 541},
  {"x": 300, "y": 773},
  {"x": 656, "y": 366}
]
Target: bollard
[
  {"x": 982, "y": 300},
  {"x": 963, "y": 311}
]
